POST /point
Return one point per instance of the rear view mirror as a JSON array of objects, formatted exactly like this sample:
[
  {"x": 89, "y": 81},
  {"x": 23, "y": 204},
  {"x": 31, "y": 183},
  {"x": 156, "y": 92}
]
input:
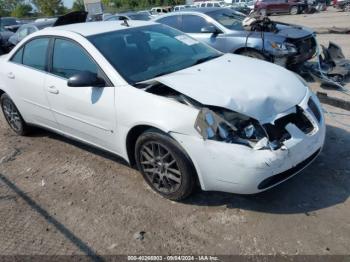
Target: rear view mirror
[
  {"x": 86, "y": 79},
  {"x": 210, "y": 29}
]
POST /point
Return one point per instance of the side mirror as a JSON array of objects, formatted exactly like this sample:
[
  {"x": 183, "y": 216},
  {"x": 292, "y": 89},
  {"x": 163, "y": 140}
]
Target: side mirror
[
  {"x": 210, "y": 29},
  {"x": 86, "y": 79}
]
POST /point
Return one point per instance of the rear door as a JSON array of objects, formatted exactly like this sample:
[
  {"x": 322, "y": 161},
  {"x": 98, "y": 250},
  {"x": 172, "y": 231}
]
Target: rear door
[
  {"x": 25, "y": 75},
  {"x": 86, "y": 113}
]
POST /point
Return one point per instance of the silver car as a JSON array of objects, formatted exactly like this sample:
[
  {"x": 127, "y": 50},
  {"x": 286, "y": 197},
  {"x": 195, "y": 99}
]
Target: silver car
[{"x": 222, "y": 28}]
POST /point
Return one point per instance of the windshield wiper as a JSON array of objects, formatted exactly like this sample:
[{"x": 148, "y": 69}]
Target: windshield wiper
[{"x": 205, "y": 59}]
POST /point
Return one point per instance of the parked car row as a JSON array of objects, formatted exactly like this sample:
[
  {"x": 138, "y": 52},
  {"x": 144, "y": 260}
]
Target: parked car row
[
  {"x": 185, "y": 114},
  {"x": 343, "y": 5},
  {"x": 8, "y": 39}
]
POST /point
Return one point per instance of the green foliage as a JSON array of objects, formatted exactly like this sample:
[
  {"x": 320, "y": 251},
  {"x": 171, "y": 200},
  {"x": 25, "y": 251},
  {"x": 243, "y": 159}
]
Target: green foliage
[
  {"x": 78, "y": 5},
  {"x": 139, "y": 4},
  {"x": 21, "y": 10},
  {"x": 50, "y": 7},
  {"x": 7, "y": 6}
]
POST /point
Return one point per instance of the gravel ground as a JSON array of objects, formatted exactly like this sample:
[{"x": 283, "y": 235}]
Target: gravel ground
[{"x": 61, "y": 197}]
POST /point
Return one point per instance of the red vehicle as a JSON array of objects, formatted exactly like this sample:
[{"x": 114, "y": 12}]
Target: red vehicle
[{"x": 267, "y": 7}]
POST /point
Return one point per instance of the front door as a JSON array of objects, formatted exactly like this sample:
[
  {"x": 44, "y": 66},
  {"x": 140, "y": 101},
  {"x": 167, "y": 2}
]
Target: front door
[{"x": 86, "y": 113}]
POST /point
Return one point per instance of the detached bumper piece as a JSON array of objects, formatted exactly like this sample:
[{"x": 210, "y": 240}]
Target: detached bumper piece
[
  {"x": 332, "y": 68},
  {"x": 273, "y": 180}
]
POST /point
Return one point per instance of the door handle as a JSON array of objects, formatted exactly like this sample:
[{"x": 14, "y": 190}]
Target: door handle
[
  {"x": 53, "y": 90},
  {"x": 11, "y": 75}
]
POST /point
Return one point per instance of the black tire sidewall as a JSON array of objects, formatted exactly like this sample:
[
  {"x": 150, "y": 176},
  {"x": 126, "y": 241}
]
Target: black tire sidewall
[{"x": 184, "y": 163}]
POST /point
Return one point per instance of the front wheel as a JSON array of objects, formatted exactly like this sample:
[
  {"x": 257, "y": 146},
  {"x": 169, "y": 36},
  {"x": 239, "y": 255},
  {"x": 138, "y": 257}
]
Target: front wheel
[
  {"x": 13, "y": 116},
  {"x": 164, "y": 165}
]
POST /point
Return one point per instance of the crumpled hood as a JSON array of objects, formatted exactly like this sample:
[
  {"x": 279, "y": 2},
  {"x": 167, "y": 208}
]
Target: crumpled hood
[
  {"x": 293, "y": 31},
  {"x": 249, "y": 86}
]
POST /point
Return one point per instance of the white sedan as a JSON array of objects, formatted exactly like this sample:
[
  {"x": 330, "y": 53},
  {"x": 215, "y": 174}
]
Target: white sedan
[{"x": 182, "y": 112}]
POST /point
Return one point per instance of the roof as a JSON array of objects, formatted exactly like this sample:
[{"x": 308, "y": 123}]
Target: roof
[
  {"x": 43, "y": 24},
  {"x": 95, "y": 28}
]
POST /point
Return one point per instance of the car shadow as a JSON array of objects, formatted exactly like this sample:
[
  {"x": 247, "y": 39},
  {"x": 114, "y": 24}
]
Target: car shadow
[
  {"x": 325, "y": 183},
  {"x": 39, "y": 132}
]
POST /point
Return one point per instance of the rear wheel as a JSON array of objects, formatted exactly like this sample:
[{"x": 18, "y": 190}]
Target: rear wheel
[
  {"x": 294, "y": 10},
  {"x": 253, "y": 54},
  {"x": 13, "y": 116},
  {"x": 164, "y": 165},
  {"x": 347, "y": 8},
  {"x": 263, "y": 12}
]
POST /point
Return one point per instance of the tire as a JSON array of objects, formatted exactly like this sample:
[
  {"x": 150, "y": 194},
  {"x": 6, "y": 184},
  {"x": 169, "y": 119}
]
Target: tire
[
  {"x": 253, "y": 54},
  {"x": 347, "y": 8},
  {"x": 164, "y": 165},
  {"x": 294, "y": 10},
  {"x": 13, "y": 116},
  {"x": 263, "y": 12}
]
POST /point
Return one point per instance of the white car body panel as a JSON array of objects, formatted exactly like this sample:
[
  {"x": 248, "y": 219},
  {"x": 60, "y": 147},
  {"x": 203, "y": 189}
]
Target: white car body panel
[
  {"x": 104, "y": 117},
  {"x": 263, "y": 96}
]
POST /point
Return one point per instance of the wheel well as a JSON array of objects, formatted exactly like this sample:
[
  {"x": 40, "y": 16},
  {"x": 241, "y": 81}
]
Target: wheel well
[
  {"x": 242, "y": 49},
  {"x": 131, "y": 139},
  {"x": 1, "y": 92}
]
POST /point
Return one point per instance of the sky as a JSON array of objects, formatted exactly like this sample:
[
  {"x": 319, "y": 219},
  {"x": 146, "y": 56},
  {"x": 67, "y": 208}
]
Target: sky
[{"x": 68, "y": 3}]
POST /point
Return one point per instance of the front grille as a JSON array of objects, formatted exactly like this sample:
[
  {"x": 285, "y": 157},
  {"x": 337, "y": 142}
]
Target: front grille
[
  {"x": 273, "y": 180},
  {"x": 313, "y": 107},
  {"x": 278, "y": 132}
]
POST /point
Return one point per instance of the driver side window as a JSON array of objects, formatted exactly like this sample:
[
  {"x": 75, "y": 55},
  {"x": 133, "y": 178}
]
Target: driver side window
[
  {"x": 193, "y": 24},
  {"x": 69, "y": 59}
]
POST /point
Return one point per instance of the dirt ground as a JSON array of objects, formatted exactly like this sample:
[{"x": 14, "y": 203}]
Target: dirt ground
[{"x": 60, "y": 197}]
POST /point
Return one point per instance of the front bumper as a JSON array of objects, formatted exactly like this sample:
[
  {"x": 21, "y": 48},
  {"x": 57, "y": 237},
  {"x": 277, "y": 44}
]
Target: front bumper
[{"x": 240, "y": 169}]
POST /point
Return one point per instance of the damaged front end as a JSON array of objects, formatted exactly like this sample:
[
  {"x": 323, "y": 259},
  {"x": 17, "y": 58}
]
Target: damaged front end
[
  {"x": 230, "y": 127},
  {"x": 295, "y": 47},
  {"x": 224, "y": 125}
]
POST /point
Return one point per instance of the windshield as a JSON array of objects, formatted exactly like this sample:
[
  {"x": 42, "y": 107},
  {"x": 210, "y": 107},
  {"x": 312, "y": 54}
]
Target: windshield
[
  {"x": 228, "y": 18},
  {"x": 140, "y": 16},
  {"x": 143, "y": 53}
]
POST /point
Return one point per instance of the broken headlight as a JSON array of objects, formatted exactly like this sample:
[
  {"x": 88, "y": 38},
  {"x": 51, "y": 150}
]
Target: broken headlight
[
  {"x": 230, "y": 127},
  {"x": 284, "y": 48}
]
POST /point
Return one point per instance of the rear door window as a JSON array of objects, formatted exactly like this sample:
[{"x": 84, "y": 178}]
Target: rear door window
[
  {"x": 35, "y": 53},
  {"x": 193, "y": 23},
  {"x": 173, "y": 21}
]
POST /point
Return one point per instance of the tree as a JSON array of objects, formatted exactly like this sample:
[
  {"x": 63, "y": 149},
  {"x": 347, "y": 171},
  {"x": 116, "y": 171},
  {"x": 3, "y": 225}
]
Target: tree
[
  {"x": 50, "y": 7},
  {"x": 7, "y": 6},
  {"x": 78, "y": 5},
  {"x": 22, "y": 10}
]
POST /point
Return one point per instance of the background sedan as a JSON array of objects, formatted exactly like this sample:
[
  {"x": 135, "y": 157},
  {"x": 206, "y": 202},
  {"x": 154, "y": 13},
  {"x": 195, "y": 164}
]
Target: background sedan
[{"x": 223, "y": 29}]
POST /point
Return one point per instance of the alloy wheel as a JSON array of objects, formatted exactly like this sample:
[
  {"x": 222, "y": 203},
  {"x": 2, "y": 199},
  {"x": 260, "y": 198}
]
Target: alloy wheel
[
  {"x": 160, "y": 167},
  {"x": 12, "y": 115}
]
